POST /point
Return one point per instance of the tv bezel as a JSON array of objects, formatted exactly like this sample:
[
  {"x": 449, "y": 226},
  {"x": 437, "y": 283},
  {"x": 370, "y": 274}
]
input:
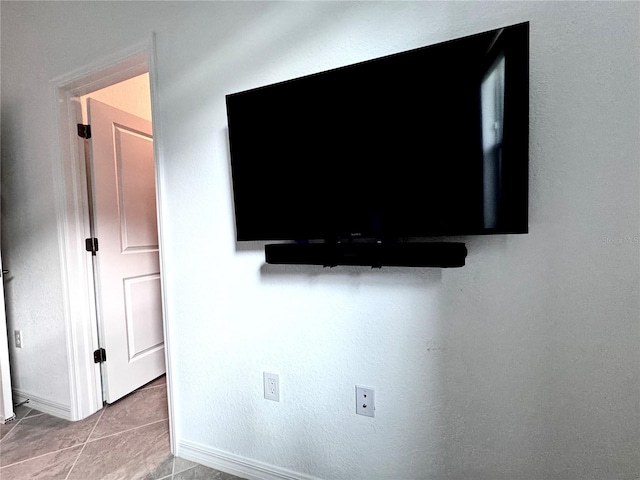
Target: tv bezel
[{"x": 518, "y": 146}]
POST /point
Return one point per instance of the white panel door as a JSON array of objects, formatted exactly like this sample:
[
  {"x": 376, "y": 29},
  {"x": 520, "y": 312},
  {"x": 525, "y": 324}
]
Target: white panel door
[{"x": 127, "y": 261}]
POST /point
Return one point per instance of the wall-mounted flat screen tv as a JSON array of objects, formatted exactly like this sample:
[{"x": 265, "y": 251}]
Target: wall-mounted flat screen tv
[{"x": 427, "y": 142}]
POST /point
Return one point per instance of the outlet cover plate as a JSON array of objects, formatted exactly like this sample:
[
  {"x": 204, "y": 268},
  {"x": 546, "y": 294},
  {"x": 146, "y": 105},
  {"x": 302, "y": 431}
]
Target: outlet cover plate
[
  {"x": 271, "y": 386},
  {"x": 365, "y": 401}
]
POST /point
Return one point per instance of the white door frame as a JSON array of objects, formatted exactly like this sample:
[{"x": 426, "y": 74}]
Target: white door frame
[
  {"x": 6, "y": 398},
  {"x": 72, "y": 208}
]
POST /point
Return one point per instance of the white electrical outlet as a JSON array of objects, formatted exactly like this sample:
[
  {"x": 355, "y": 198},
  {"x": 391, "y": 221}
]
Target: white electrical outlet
[
  {"x": 271, "y": 386},
  {"x": 365, "y": 401},
  {"x": 17, "y": 337}
]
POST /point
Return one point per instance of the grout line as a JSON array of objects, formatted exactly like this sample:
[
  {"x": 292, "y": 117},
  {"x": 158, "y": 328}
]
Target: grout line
[
  {"x": 149, "y": 385},
  {"x": 11, "y": 430},
  {"x": 127, "y": 430},
  {"x": 107, "y": 436},
  {"x": 166, "y": 477},
  {"x": 47, "y": 453},
  {"x": 169, "y": 477},
  {"x": 30, "y": 410},
  {"x": 28, "y": 415},
  {"x": 164, "y": 385},
  {"x": 85, "y": 444},
  {"x": 88, "y": 439},
  {"x": 40, "y": 456}
]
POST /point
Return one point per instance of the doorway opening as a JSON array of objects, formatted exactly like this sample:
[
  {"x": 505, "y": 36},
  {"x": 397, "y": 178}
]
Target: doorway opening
[{"x": 127, "y": 82}]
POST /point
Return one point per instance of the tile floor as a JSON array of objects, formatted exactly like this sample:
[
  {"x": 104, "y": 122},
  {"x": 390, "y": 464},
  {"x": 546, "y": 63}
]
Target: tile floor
[{"x": 127, "y": 440}]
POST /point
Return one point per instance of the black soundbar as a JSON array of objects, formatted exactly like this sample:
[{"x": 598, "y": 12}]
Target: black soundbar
[{"x": 423, "y": 254}]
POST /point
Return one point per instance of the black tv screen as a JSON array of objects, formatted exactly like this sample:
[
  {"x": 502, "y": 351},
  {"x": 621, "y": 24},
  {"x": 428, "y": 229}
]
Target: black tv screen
[{"x": 427, "y": 142}]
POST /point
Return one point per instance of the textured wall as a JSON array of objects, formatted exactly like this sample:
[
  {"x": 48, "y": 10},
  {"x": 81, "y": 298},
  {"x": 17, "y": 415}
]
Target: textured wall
[
  {"x": 523, "y": 364},
  {"x": 29, "y": 227}
]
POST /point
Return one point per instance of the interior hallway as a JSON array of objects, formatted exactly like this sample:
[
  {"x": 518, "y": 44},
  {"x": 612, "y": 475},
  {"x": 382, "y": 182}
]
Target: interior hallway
[{"x": 126, "y": 440}]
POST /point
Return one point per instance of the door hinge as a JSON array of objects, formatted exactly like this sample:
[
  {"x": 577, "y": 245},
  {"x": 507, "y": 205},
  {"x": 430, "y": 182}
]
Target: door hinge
[
  {"x": 91, "y": 245},
  {"x": 84, "y": 131},
  {"x": 100, "y": 355}
]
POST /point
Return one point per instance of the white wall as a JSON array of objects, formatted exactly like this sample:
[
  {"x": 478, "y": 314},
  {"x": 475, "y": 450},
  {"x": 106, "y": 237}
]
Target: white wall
[{"x": 523, "y": 364}]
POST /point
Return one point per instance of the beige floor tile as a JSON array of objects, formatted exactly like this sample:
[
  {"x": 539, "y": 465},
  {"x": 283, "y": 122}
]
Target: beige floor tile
[
  {"x": 162, "y": 380},
  {"x": 140, "y": 408},
  {"x": 201, "y": 472},
  {"x": 139, "y": 454},
  {"x": 20, "y": 412},
  {"x": 180, "y": 465},
  {"x": 130, "y": 441},
  {"x": 53, "y": 466},
  {"x": 35, "y": 436}
]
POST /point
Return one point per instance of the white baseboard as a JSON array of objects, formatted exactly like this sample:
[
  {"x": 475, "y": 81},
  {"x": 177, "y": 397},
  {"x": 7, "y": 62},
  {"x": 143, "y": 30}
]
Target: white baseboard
[
  {"x": 234, "y": 464},
  {"x": 42, "y": 405}
]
